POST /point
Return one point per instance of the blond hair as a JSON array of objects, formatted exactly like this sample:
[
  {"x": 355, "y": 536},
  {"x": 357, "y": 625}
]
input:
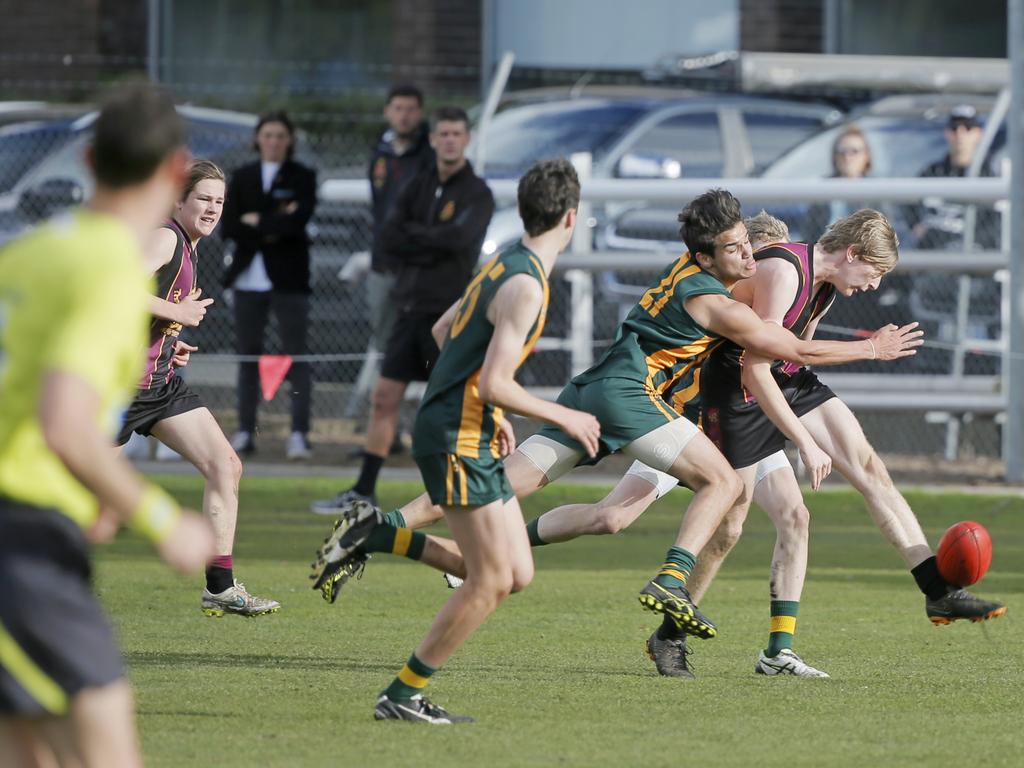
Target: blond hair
[
  {"x": 873, "y": 238},
  {"x": 765, "y": 228}
]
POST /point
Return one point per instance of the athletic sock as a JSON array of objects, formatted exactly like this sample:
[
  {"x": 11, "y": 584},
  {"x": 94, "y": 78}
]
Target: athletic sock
[
  {"x": 367, "y": 482},
  {"x": 220, "y": 574},
  {"x": 676, "y": 570},
  {"x": 926, "y": 574},
  {"x": 531, "y": 531},
  {"x": 411, "y": 680},
  {"x": 404, "y": 542},
  {"x": 395, "y": 518},
  {"x": 783, "y": 626}
]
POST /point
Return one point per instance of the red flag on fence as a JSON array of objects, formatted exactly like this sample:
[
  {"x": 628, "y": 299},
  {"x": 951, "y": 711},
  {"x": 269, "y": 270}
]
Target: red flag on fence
[{"x": 273, "y": 369}]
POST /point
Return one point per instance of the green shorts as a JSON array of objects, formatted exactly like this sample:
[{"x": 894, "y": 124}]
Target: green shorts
[
  {"x": 459, "y": 481},
  {"x": 625, "y": 408}
]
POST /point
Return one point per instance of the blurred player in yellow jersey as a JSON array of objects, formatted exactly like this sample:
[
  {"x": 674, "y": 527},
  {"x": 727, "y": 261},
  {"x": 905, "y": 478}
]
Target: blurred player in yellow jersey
[{"x": 73, "y": 318}]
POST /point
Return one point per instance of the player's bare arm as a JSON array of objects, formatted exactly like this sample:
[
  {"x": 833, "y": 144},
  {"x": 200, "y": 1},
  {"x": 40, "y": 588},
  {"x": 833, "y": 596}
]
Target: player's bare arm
[
  {"x": 738, "y": 322},
  {"x": 773, "y": 292},
  {"x": 69, "y": 410},
  {"x": 513, "y": 312},
  {"x": 191, "y": 310}
]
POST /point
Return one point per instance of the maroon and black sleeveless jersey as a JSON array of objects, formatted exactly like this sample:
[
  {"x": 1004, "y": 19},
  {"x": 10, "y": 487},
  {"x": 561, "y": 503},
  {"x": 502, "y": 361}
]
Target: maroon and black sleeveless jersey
[
  {"x": 174, "y": 281},
  {"x": 720, "y": 376}
]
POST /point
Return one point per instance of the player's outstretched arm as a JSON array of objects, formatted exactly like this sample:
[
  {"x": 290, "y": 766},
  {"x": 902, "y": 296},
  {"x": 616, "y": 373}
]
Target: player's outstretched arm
[
  {"x": 738, "y": 322},
  {"x": 513, "y": 312},
  {"x": 69, "y": 411}
]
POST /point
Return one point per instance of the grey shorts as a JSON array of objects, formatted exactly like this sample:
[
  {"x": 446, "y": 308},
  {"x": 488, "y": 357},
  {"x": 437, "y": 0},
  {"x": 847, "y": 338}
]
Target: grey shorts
[{"x": 55, "y": 639}]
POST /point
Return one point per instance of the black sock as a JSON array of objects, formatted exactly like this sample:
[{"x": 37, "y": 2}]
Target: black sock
[
  {"x": 218, "y": 579},
  {"x": 367, "y": 482},
  {"x": 926, "y": 574},
  {"x": 668, "y": 629}
]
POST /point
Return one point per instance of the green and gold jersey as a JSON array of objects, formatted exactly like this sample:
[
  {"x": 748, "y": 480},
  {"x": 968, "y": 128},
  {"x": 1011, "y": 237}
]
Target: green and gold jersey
[
  {"x": 452, "y": 417},
  {"x": 73, "y": 298},
  {"x": 659, "y": 344}
]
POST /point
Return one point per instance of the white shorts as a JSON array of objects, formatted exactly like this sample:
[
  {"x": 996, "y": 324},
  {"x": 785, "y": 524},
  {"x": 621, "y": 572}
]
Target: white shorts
[
  {"x": 658, "y": 449},
  {"x": 664, "y": 482}
]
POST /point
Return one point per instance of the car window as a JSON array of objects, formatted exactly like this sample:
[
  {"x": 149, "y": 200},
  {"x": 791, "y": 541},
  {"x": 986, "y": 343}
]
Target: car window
[
  {"x": 901, "y": 147},
  {"x": 23, "y": 146},
  {"x": 772, "y": 133},
  {"x": 692, "y": 138},
  {"x": 519, "y": 137}
]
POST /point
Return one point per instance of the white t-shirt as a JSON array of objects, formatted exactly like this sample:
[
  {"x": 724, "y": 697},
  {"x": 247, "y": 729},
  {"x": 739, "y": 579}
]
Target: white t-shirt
[{"x": 254, "y": 277}]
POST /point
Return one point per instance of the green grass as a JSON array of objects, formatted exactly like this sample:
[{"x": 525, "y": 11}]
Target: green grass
[{"x": 558, "y": 676}]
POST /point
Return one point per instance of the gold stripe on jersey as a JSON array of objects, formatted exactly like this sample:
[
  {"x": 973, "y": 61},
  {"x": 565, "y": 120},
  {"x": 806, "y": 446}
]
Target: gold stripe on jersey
[
  {"x": 449, "y": 483},
  {"x": 648, "y": 298},
  {"x": 463, "y": 482},
  {"x": 684, "y": 396},
  {"x": 468, "y": 441},
  {"x": 655, "y": 310},
  {"x": 499, "y": 417},
  {"x": 542, "y": 315},
  {"x": 664, "y": 359}
]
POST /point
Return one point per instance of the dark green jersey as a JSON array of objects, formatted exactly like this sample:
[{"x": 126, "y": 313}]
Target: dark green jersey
[
  {"x": 452, "y": 416},
  {"x": 659, "y": 344}
]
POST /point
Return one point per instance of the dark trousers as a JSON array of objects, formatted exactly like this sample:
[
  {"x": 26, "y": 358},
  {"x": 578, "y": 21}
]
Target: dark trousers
[{"x": 252, "y": 310}]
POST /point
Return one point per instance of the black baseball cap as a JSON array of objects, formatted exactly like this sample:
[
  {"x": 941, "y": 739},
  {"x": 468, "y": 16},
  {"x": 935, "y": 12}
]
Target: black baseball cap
[{"x": 964, "y": 115}]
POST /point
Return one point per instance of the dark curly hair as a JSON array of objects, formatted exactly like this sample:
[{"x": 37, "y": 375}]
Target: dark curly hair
[
  {"x": 706, "y": 217},
  {"x": 546, "y": 192}
]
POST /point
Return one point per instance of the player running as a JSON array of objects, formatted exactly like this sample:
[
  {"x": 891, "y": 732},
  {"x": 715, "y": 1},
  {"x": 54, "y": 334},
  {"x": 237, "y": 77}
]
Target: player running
[
  {"x": 63, "y": 696},
  {"x": 660, "y": 347},
  {"x": 164, "y": 405},
  {"x": 460, "y": 435}
]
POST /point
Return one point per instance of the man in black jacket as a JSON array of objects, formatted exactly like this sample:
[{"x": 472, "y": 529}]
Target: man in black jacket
[
  {"x": 434, "y": 232},
  {"x": 268, "y": 204}
]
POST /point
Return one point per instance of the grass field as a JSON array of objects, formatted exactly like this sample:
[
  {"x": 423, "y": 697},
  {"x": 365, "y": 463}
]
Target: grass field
[{"x": 558, "y": 676}]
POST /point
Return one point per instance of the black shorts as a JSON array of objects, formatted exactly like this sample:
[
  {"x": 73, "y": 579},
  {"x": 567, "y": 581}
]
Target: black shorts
[
  {"x": 411, "y": 350},
  {"x": 157, "y": 404},
  {"x": 745, "y": 434},
  {"x": 55, "y": 638}
]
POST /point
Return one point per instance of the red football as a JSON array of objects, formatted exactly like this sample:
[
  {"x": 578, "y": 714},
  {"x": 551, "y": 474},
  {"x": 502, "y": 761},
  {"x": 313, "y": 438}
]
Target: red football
[{"x": 964, "y": 553}]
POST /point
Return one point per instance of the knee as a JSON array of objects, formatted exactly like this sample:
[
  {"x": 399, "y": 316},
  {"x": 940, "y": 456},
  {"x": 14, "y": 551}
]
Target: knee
[
  {"x": 731, "y": 487},
  {"x": 494, "y": 588},
  {"x": 610, "y": 520},
  {"x": 794, "y": 524},
  {"x": 223, "y": 466},
  {"x": 521, "y": 578},
  {"x": 727, "y": 534},
  {"x": 385, "y": 400}
]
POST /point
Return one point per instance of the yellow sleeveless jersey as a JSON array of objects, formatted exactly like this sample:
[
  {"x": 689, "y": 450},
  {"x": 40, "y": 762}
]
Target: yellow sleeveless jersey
[{"x": 73, "y": 298}]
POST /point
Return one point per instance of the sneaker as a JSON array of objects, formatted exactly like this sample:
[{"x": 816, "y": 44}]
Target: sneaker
[
  {"x": 341, "y": 548},
  {"x": 298, "y": 448},
  {"x": 236, "y": 599},
  {"x": 961, "y": 604},
  {"x": 669, "y": 655},
  {"x": 675, "y": 603},
  {"x": 341, "y": 503},
  {"x": 243, "y": 443},
  {"x": 785, "y": 662},
  {"x": 453, "y": 581},
  {"x": 417, "y": 709},
  {"x": 332, "y": 584}
]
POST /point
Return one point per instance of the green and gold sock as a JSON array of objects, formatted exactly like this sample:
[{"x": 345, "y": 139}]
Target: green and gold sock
[
  {"x": 676, "y": 570},
  {"x": 404, "y": 542},
  {"x": 412, "y": 679},
  {"x": 395, "y": 518},
  {"x": 783, "y": 626}
]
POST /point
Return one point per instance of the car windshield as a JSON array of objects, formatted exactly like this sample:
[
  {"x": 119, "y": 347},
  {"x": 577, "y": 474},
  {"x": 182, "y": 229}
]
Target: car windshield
[
  {"x": 900, "y": 147},
  {"x": 22, "y": 146},
  {"x": 520, "y": 136}
]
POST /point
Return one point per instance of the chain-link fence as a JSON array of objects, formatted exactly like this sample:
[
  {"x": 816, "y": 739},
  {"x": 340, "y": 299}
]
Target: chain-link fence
[{"x": 629, "y": 132}]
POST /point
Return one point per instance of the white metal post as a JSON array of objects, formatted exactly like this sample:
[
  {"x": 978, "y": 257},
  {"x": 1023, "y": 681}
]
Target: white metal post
[{"x": 1013, "y": 374}]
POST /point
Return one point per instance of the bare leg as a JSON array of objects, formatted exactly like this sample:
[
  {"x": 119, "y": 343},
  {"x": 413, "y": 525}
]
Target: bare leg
[
  {"x": 498, "y": 561},
  {"x": 722, "y": 541},
  {"x": 779, "y": 495},
  {"x": 197, "y": 436},
  {"x": 387, "y": 403},
  {"x": 834, "y": 427},
  {"x": 615, "y": 512}
]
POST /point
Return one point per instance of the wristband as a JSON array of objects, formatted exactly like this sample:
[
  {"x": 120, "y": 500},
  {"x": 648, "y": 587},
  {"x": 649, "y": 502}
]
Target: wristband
[
  {"x": 871, "y": 344},
  {"x": 156, "y": 514}
]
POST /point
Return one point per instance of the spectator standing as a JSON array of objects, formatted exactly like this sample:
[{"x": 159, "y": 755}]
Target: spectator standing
[
  {"x": 939, "y": 224},
  {"x": 269, "y": 203},
  {"x": 851, "y": 159},
  {"x": 434, "y": 231}
]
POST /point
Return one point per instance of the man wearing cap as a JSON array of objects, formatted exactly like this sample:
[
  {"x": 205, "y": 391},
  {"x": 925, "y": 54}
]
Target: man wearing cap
[{"x": 939, "y": 224}]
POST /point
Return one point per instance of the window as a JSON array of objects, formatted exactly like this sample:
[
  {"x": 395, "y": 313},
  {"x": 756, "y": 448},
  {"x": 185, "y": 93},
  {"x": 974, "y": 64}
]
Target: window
[{"x": 693, "y": 139}]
